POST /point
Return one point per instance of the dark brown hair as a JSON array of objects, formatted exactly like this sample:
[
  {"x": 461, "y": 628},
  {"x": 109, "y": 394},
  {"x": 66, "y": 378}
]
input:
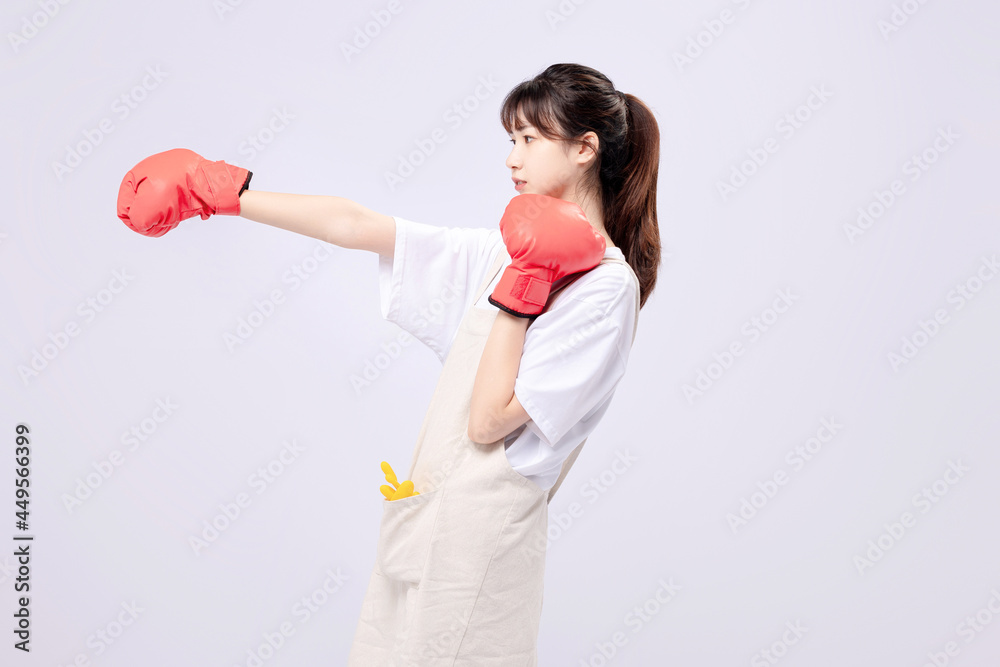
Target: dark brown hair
[{"x": 566, "y": 101}]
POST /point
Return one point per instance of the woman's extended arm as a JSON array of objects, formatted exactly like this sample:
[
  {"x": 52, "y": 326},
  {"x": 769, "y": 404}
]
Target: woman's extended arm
[
  {"x": 336, "y": 220},
  {"x": 495, "y": 410}
]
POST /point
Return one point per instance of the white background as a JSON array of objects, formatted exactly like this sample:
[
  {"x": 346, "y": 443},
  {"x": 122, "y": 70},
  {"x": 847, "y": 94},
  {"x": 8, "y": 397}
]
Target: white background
[{"x": 225, "y": 69}]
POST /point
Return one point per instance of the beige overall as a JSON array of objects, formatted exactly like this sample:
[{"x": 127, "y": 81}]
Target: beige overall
[{"x": 459, "y": 568}]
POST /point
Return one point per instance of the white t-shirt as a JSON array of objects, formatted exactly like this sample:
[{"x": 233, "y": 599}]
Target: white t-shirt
[{"x": 574, "y": 353}]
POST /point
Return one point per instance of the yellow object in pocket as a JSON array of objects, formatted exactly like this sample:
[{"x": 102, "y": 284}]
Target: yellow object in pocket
[
  {"x": 390, "y": 476},
  {"x": 405, "y": 490},
  {"x": 397, "y": 490}
]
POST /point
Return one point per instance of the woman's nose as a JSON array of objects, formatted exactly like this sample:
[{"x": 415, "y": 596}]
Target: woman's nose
[{"x": 512, "y": 160}]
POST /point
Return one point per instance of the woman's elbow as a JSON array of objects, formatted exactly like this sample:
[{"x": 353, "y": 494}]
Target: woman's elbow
[
  {"x": 475, "y": 431},
  {"x": 491, "y": 426},
  {"x": 483, "y": 428}
]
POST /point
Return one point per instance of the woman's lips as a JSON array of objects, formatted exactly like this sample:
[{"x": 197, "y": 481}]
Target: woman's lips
[{"x": 518, "y": 184}]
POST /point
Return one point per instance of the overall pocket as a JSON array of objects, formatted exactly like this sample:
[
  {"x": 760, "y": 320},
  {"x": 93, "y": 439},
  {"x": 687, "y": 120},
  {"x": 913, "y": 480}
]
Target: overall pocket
[
  {"x": 499, "y": 455},
  {"x": 404, "y": 535}
]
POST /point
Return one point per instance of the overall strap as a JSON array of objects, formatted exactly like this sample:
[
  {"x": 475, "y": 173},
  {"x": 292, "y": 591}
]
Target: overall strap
[
  {"x": 491, "y": 273},
  {"x": 503, "y": 256}
]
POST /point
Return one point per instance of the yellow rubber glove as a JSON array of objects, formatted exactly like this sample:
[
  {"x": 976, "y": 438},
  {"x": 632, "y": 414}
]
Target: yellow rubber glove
[
  {"x": 397, "y": 490},
  {"x": 405, "y": 490}
]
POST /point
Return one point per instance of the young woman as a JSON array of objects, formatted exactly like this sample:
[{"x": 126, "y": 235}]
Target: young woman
[{"x": 534, "y": 340}]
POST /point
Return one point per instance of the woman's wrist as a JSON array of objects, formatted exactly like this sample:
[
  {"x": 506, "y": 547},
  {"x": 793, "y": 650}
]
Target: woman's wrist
[{"x": 515, "y": 320}]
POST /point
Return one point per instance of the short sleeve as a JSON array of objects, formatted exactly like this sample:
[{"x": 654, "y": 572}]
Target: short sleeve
[
  {"x": 573, "y": 358},
  {"x": 429, "y": 282}
]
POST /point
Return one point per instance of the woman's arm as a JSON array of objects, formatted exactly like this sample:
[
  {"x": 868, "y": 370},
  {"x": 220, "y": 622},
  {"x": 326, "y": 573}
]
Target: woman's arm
[
  {"x": 495, "y": 410},
  {"x": 335, "y": 220}
]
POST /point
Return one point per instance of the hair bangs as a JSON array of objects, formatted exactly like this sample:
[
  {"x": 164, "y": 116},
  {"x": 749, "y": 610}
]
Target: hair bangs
[{"x": 529, "y": 104}]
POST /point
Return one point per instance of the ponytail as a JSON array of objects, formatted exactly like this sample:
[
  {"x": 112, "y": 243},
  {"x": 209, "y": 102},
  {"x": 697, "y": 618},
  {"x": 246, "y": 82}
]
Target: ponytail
[{"x": 629, "y": 203}]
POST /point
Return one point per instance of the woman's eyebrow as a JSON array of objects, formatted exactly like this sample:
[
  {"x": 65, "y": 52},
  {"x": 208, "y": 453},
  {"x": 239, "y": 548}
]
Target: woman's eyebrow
[{"x": 522, "y": 128}]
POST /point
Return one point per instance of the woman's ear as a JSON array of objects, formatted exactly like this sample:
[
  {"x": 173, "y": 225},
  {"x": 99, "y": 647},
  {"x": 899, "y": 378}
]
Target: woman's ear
[{"x": 587, "y": 149}]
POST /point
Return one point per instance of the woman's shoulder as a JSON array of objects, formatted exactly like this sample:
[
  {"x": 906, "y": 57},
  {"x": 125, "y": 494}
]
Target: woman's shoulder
[{"x": 610, "y": 287}]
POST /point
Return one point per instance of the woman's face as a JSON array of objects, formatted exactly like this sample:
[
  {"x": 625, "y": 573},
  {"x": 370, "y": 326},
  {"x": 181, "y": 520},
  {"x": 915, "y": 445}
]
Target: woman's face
[{"x": 544, "y": 166}]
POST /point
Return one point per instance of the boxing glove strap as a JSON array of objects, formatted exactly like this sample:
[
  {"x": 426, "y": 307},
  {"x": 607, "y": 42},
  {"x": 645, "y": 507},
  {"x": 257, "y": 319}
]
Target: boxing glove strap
[
  {"x": 246, "y": 184},
  {"x": 223, "y": 182},
  {"x": 520, "y": 292},
  {"x": 509, "y": 310},
  {"x": 531, "y": 290}
]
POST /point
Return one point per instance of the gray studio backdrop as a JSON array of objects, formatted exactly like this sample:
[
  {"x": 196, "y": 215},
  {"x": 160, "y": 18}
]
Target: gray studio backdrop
[{"x": 799, "y": 468}]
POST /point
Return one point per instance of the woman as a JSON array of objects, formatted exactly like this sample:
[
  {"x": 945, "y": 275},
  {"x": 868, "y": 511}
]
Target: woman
[{"x": 536, "y": 338}]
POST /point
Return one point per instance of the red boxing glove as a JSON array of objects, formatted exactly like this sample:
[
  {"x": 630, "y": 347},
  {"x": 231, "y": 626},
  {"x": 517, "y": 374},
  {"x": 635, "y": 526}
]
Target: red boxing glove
[
  {"x": 168, "y": 187},
  {"x": 547, "y": 238}
]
